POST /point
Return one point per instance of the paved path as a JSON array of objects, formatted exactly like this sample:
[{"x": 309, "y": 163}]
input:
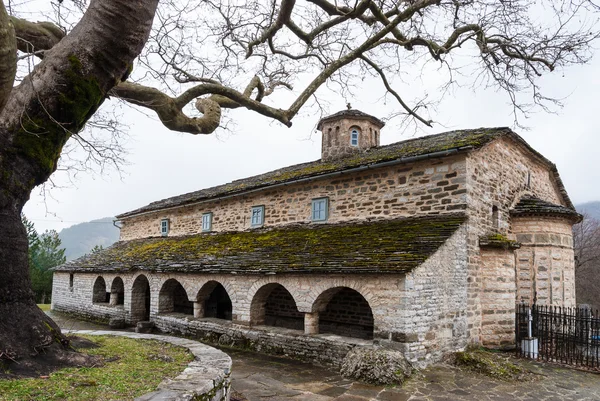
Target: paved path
[{"x": 264, "y": 378}]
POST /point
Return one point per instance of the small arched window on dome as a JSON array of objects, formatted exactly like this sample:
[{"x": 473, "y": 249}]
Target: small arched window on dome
[{"x": 354, "y": 137}]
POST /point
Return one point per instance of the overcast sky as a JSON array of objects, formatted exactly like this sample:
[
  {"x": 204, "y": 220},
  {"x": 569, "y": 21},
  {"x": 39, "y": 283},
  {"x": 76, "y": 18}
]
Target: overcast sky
[{"x": 164, "y": 163}]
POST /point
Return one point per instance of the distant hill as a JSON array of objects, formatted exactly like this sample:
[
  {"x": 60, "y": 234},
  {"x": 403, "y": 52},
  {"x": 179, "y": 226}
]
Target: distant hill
[
  {"x": 81, "y": 238},
  {"x": 592, "y": 209}
]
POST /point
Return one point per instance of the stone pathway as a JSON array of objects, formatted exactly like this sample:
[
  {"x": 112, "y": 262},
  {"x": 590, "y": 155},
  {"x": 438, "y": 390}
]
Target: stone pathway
[
  {"x": 266, "y": 378},
  {"x": 263, "y": 378}
]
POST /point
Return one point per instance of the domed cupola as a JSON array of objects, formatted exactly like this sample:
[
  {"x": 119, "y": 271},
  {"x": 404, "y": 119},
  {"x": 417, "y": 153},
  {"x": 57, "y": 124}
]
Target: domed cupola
[{"x": 347, "y": 132}]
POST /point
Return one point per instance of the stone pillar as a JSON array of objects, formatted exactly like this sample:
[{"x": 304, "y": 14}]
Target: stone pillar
[
  {"x": 198, "y": 309},
  {"x": 114, "y": 298},
  {"x": 311, "y": 323}
]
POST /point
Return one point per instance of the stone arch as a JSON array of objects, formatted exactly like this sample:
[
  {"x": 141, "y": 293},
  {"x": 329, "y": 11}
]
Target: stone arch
[
  {"x": 214, "y": 301},
  {"x": 140, "y": 299},
  {"x": 173, "y": 298},
  {"x": 117, "y": 292},
  {"x": 274, "y": 305},
  {"x": 99, "y": 293},
  {"x": 344, "y": 311}
]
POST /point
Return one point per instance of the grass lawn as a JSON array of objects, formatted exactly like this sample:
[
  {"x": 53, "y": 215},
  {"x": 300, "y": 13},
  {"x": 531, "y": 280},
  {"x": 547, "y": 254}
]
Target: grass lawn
[
  {"x": 44, "y": 307},
  {"x": 132, "y": 368}
]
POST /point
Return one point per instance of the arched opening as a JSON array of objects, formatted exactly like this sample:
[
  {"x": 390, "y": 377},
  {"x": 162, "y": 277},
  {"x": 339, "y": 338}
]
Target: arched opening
[
  {"x": 140, "y": 299},
  {"x": 215, "y": 301},
  {"x": 117, "y": 292},
  {"x": 99, "y": 294},
  {"x": 273, "y": 305},
  {"x": 173, "y": 298},
  {"x": 345, "y": 312}
]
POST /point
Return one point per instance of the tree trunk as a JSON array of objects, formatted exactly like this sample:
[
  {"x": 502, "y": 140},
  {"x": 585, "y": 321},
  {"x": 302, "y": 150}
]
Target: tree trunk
[
  {"x": 25, "y": 329},
  {"x": 54, "y": 101}
]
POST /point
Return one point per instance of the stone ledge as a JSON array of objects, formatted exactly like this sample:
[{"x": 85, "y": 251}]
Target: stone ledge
[{"x": 206, "y": 378}]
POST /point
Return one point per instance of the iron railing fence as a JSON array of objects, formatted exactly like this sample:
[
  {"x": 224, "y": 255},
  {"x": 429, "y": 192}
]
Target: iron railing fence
[{"x": 565, "y": 335}]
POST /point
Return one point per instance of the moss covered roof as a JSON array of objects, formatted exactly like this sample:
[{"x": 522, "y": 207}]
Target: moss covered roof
[
  {"x": 369, "y": 247},
  {"x": 427, "y": 145},
  {"x": 532, "y": 206}
]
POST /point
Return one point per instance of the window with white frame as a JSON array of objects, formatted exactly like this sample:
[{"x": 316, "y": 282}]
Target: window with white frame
[
  {"x": 258, "y": 216},
  {"x": 320, "y": 209},
  {"x": 354, "y": 137},
  {"x": 164, "y": 227},
  {"x": 207, "y": 222}
]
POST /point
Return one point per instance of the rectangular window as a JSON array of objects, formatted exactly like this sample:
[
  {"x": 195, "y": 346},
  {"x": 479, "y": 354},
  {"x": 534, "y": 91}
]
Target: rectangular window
[
  {"x": 206, "y": 222},
  {"x": 258, "y": 216},
  {"x": 320, "y": 209},
  {"x": 164, "y": 227}
]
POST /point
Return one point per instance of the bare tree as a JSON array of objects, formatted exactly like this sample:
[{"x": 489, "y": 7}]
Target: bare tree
[
  {"x": 204, "y": 58},
  {"x": 586, "y": 242}
]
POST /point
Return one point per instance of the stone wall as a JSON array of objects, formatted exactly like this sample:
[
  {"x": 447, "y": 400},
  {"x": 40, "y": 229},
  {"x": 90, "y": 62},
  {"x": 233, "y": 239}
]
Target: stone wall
[
  {"x": 434, "y": 186},
  {"x": 336, "y": 137},
  {"x": 422, "y": 313},
  {"x": 497, "y": 297},
  {"x": 499, "y": 175},
  {"x": 545, "y": 261}
]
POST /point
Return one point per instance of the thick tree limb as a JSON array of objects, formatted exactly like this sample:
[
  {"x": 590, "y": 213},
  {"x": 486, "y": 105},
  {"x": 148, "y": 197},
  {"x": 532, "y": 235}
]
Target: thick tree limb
[
  {"x": 8, "y": 56},
  {"x": 35, "y": 36},
  {"x": 170, "y": 110}
]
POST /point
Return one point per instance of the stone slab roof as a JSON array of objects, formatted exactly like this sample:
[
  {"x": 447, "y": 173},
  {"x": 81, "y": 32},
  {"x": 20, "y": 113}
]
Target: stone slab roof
[
  {"x": 383, "y": 246},
  {"x": 532, "y": 206},
  {"x": 405, "y": 150},
  {"x": 351, "y": 113}
]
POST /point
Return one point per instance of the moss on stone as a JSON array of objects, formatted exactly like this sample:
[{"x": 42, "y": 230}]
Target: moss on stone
[
  {"x": 492, "y": 364},
  {"x": 389, "y": 245},
  {"x": 42, "y": 139},
  {"x": 498, "y": 241},
  {"x": 413, "y": 147}
]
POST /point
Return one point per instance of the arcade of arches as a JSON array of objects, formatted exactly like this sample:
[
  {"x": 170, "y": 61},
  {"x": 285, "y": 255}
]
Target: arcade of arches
[{"x": 339, "y": 310}]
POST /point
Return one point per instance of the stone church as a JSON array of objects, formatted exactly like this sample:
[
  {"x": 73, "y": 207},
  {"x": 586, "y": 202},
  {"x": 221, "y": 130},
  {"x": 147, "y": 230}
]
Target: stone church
[{"x": 422, "y": 246}]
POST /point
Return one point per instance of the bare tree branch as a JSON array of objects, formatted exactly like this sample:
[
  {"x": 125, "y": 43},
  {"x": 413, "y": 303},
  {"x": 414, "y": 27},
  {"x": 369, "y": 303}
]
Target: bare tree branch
[{"x": 8, "y": 56}]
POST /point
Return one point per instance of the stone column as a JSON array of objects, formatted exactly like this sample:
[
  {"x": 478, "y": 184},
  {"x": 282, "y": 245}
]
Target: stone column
[
  {"x": 114, "y": 298},
  {"x": 198, "y": 309},
  {"x": 311, "y": 323}
]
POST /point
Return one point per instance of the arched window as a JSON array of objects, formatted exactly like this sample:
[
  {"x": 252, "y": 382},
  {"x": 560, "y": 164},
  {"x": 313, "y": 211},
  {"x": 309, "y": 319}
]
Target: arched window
[{"x": 354, "y": 137}]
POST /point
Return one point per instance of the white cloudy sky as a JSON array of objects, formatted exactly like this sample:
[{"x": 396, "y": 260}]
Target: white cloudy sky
[{"x": 164, "y": 163}]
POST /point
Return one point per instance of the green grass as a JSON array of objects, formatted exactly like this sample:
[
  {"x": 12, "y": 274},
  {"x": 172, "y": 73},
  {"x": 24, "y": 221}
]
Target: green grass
[
  {"x": 44, "y": 307},
  {"x": 136, "y": 368}
]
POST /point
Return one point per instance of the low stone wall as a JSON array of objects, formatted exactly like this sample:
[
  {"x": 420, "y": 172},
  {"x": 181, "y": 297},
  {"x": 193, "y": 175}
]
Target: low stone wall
[
  {"x": 326, "y": 349},
  {"x": 206, "y": 378}
]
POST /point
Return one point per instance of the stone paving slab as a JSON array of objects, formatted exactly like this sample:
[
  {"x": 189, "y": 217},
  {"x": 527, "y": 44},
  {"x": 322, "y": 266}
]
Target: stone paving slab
[{"x": 264, "y": 378}]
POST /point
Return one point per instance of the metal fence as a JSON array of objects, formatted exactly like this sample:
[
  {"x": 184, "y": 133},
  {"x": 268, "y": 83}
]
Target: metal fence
[{"x": 564, "y": 335}]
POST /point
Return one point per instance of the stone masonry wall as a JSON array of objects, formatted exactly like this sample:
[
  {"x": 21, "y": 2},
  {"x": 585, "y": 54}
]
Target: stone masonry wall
[
  {"x": 336, "y": 137},
  {"x": 498, "y": 289},
  {"x": 545, "y": 260},
  {"x": 433, "y": 186},
  {"x": 499, "y": 174},
  {"x": 422, "y": 313}
]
